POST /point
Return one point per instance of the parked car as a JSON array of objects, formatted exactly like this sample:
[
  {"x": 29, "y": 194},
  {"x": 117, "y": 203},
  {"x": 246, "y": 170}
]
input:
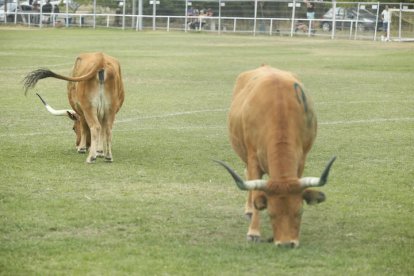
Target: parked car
[
  {"x": 11, "y": 11},
  {"x": 366, "y": 19}
]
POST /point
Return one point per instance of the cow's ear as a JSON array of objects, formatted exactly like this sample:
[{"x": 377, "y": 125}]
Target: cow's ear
[
  {"x": 313, "y": 197},
  {"x": 73, "y": 116},
  {"x": 260, "y": 202}
]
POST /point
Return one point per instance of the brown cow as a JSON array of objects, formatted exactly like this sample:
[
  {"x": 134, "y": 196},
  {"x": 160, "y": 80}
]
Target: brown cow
[
  {"x": 272, "y": 127},
  {"x": 96, "y": 93}
]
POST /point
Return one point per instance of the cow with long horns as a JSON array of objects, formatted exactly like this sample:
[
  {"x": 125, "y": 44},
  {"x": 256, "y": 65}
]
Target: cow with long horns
[
  {"x": 95, "y": 93},
  {"x": 272, "y": 127}
]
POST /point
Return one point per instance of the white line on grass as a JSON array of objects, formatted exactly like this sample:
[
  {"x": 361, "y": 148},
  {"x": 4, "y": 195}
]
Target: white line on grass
[
  {"x": 351, "y": 122},
  {"x": 174, "y": 114},
  {"x": 370, "y": 121},
  {"x": 33, "y": 67},
  {"x": 363, "y": 102}
]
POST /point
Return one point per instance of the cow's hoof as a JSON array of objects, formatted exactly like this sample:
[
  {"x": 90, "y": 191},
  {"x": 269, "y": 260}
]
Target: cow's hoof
[
  {"x": 100, "y": 153},
  {"x": 253, "y": 238},
  {"x": 82, "y": 150},
  {"x": 109, "y": 159},
  {"x": 91, "y": 160}
]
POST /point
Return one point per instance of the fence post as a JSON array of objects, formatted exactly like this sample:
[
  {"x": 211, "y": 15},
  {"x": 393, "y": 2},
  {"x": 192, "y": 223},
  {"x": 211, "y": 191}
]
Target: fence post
[
  {"x": 154, "y": 13},
  {"x": 40, "y": 17},
  {"x": 186, "y": 16},
  {"x": 123, "y": 16},
  {"x": 271, "y": 26},
  {"x": 140, "y": 8},
  {"x": 219, "y": 19},
  {"x": 376, "y": 22},
  {"x": 399, "y": 23},
  {"x": 94, "y": 14},
  {"x": 350, "y": 29},
  {"x": 67, "y": 16},
  {"x": 333, "y": 19},
  {"x": 255, "y": 17},
  {"x": 357, "y": 19},
  {"x": 292, "y": 25},
  {"x": 137, "y": 23},
  {"x": 310, "y": 27}
]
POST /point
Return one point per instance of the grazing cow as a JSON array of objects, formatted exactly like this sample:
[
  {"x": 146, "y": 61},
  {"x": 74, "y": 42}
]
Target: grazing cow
[
  {"x": 96, "y": 93},
  {"x": 272, "y": 127}
]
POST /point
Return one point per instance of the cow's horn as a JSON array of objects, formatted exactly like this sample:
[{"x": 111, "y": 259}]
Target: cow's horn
[
  {"x": 258, "y": 184},
  {"x": 306, "y": 182},
  {"x": 63, "y": 112}
]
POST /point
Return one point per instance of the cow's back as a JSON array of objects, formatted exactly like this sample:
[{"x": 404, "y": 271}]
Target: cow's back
[
  {"x": 113, "y": 79},
  {"x": 271, "y": 115}
]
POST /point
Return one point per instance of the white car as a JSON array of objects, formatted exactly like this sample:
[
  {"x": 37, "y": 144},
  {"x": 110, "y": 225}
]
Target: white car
[{"x": 11, "y": 12}]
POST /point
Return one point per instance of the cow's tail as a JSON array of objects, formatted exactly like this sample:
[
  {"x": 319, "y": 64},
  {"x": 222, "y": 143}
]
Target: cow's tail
[
  {"x": 101, "y": 76},
  {"x": 33, "y": 77},
  {"x": 101, "y": 105}
]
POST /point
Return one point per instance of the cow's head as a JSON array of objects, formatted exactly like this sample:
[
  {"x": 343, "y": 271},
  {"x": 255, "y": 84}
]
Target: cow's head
[
  {"x": 76, "y": 125},
  {"x": 284, "y": 201},
  {"x": 69, "y": 113}
]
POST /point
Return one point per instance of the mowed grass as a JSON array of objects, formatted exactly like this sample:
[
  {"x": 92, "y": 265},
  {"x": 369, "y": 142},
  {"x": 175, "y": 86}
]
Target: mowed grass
[{"x": 163, "y": 207}]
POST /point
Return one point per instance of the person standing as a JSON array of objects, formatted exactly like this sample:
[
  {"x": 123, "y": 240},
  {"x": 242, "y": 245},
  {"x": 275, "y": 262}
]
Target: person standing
[
  {"x": 36, "y": 11},
  {"x": 47, "y": 8},
  {"x": 310, "y": 12},
  {"x": 385, "y": 15}
]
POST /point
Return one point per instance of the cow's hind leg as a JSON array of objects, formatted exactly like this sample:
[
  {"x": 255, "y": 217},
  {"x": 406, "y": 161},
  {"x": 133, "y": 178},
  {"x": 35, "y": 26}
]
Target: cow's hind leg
[
  {"x": 108, "y": 151},
  {"x": 95, "y": 128},
  {"x": 107, "y": 129},
  {"x": 100, "y": 148},
  {"x": 95, "y": 135}
]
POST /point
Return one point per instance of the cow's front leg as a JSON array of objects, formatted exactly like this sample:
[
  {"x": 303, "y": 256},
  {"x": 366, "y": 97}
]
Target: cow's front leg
[
  {"x": 248, "y": 208},
  {"x": 253, "y": 233},
  {"x": 253, "y": 171},
  {"x": 82, "y": 146}
]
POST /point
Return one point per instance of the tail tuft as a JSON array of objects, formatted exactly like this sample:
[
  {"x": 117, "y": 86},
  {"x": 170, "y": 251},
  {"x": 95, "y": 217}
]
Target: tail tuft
[{"x": 33, "y": 77}]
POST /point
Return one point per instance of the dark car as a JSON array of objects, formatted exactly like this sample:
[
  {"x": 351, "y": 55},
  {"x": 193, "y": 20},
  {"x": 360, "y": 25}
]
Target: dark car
[{"x": 344, "y": 17}]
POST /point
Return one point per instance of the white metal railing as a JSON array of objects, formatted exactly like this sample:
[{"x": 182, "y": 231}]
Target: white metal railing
[{"x": 255, "y": 26}]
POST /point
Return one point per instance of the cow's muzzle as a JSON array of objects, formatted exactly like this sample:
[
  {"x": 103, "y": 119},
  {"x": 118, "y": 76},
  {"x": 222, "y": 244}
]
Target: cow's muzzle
[{"x": 288, "y": 244}]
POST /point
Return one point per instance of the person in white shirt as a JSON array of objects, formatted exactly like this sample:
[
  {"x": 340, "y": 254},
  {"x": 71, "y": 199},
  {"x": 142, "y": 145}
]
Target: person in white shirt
[{"x": 385, "y": 15}]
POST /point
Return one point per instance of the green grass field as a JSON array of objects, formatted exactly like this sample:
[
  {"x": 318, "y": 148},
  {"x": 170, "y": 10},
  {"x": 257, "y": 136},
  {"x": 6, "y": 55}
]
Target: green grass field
[{"x": 163, "y": 207}]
